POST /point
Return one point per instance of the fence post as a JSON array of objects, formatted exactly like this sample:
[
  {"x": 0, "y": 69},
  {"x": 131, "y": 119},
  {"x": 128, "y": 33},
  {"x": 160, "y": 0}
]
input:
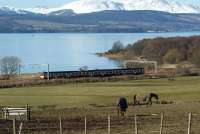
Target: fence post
[
  {"x": 108, "y": 124},
  {"x": 48, "y": 72},
  {"x": 28, "y": 112},
  {"x": 20, "y": 127},
  {"x": 189, "y": 123},
  {"x": 7, "y": 114},
  {"x": 136, "y": 127},
  {"x": 85, "y": 125},
  {"x": 161, "y": 123},
  {"x": 60, "y": 120},
  {"x": 14, "y": 127}
]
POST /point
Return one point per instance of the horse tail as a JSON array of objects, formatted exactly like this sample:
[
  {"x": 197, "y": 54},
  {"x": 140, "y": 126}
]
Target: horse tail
[{"x": 134, "y": 99}]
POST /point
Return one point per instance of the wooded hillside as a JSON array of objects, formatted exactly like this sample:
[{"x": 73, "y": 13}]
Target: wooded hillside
[
  {"x": 171, "y": 50},
  {"x": 99, "y": 22}
]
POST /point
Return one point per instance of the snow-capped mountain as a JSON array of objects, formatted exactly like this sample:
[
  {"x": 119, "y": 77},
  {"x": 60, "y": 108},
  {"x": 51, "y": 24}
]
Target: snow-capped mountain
[
  {"x": 12, "y": 10},
  {"x": 89, "y": 6},
  {"x": 43, "y": 10}
]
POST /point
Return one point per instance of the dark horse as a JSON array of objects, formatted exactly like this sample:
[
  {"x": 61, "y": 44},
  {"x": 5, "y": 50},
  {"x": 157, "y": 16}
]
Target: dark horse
[
  {"x": 122, "y": 106},
  {"x": 145, "y": 99}
]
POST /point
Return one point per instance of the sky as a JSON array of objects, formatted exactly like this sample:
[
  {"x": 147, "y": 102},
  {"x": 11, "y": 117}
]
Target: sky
[{"x": 57, "y": 3}]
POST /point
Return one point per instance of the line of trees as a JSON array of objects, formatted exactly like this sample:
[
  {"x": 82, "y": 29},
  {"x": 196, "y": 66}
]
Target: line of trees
[
  {"x": 9, "y": 66},
  {"x": 173, "y": 50}
]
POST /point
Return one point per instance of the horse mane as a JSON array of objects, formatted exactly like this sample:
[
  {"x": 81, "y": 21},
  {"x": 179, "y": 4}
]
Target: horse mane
[{"x": 154, "y": 95}]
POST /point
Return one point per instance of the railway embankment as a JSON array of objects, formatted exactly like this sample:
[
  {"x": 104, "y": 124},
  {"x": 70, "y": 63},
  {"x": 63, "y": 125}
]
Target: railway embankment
[{"x": 39, "y": 82}]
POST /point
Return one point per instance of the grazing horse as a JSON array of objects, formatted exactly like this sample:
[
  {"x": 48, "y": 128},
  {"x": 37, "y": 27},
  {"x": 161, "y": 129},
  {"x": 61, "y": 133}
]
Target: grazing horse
[
  {"x": 146, "y": 99},
  {"x": 122, "y": 106}
]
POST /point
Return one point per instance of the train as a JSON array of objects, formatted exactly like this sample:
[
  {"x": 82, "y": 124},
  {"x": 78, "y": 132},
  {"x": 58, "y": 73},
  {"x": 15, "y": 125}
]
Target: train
[{"x": 92, "y": 73}]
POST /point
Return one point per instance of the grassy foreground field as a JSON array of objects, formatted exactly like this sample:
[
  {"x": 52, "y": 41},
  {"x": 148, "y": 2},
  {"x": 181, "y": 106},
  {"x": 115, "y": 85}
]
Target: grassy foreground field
[
  {"x": 98, "y": 100},
  {"x": 106, "y": 93}
]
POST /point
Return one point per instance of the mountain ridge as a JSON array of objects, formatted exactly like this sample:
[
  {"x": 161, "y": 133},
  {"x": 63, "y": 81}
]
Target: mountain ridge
[
  {"x": 89, "y": 6},
  {"x": 100, "y": 22}
]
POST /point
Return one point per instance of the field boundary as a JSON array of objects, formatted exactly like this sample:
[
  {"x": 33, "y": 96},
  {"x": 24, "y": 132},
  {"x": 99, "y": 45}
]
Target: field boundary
[
  {"x": 84, "y": 124},
  {"x": 39, "y": 82}
]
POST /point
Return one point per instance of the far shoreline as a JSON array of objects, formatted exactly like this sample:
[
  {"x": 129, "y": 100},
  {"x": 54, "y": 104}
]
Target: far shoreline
[
  {"x": 117, "y": 57},
  {"x": 154, "y": 32}
]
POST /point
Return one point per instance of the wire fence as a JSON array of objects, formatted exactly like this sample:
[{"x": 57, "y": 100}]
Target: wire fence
[{"x": 138, "y": 124}]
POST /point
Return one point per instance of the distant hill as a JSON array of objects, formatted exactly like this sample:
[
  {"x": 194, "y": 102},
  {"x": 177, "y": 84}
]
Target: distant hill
[
  {"x": 172, "y": 50},
  {"x": 105, "y": 21}
]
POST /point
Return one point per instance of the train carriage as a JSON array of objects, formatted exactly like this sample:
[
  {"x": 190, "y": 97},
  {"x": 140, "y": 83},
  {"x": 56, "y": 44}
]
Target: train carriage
[{"x": 93, "y": 73}]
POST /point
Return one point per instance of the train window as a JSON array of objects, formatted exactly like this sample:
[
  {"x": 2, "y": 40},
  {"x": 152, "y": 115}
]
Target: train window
[{"x": 91, "y": 73}]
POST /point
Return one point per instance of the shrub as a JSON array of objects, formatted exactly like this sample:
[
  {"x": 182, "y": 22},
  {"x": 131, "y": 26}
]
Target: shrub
[
  {"x": 117, "y": 47},
  {"x": 196, "y": 57},
  {"x": 173, "y": 56}
]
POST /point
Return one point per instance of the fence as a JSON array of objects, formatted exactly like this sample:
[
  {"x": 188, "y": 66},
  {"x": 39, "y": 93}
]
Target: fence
[
  {"x": 138, "y": 124},
  {"x": 16, "y": 111}
]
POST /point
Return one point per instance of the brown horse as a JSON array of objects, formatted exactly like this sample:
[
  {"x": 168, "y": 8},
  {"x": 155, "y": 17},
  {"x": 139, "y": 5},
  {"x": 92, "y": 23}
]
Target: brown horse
[
  {"x": 145, "y": 99},
  {"x": 122, "y": 106}
]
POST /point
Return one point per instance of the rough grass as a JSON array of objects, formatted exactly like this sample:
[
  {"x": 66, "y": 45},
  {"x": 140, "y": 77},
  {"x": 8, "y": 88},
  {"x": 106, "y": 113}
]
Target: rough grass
[
  {"x": 100, "y": 98},
  {"x": 83, "y": 95}
]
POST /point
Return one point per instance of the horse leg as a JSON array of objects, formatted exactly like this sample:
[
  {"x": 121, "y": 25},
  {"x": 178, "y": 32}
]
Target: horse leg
[
  {"x": 150, "y": 103},
  {"x": 117, "y": 108},
  {"x": 123, "y": 113},
  {"x": 134, "y": 103}
]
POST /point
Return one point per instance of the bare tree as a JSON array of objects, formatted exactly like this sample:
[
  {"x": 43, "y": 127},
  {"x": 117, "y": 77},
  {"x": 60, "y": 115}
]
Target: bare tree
[{"x": 9, "y": 66}]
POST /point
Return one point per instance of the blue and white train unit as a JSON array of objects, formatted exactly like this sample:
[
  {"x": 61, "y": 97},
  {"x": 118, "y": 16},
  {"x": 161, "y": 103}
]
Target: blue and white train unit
[{"x": 93, "y": 73}]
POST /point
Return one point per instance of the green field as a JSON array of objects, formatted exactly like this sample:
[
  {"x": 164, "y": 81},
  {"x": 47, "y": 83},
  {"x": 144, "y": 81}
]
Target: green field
[
  {"x": 186, "y": 89},
  {"x": 98, "y": 100},
  {"x": 102, "y": 93}
]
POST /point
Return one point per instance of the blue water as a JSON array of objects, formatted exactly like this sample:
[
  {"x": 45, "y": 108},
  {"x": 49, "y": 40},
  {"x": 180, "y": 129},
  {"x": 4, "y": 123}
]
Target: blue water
[{"x": 68, "y": 51}]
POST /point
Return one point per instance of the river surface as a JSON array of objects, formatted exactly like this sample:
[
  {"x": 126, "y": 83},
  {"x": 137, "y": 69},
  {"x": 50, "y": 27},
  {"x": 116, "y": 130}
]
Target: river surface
[{"x": 68, "y": 51}]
